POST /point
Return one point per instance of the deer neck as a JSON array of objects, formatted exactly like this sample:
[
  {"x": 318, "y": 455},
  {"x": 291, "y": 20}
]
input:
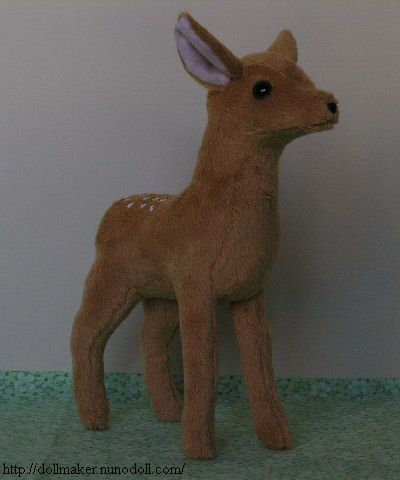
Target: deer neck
[{"x": 237, "y": 166}]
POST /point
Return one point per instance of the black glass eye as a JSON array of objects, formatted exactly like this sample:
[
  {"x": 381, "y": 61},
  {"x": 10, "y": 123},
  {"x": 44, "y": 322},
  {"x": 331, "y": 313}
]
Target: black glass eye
[{"x": 261, "y": 89}]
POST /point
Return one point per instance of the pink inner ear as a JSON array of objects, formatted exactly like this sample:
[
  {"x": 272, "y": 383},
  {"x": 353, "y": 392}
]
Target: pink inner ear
[{"x": 197, "y": 56}]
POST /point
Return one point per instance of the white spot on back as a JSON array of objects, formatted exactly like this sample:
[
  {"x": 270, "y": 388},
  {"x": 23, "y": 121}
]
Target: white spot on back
[{"x": 131, "y": 199}]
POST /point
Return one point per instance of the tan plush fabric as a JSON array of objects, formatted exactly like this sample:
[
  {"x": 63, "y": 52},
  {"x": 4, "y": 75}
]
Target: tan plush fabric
[{"x": 214, "y": 241}]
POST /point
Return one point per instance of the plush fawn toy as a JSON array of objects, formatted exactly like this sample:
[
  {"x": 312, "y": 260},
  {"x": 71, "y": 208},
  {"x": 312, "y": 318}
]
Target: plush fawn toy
[{"x": 215, "y": 241}]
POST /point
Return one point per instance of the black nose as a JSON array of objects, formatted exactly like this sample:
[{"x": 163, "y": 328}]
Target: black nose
[{"x": 332, "y": 107}]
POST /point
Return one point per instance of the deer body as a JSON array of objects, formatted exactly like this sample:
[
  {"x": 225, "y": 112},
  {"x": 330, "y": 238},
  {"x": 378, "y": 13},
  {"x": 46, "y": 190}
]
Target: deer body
[
  {"x": 217, "y": 240},
  {"x": 216, "y": 220}
]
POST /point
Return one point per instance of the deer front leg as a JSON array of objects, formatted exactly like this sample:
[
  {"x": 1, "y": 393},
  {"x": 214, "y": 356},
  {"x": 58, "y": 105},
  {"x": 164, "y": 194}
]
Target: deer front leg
[
  {"x": 199, "y": 337},
  {"x": 161, "y": 321},
  {"x": 253, "y": 334}
]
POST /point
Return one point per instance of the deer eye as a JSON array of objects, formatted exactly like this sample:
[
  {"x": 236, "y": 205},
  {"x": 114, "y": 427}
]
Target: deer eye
[{"x": 261, "y": 89}]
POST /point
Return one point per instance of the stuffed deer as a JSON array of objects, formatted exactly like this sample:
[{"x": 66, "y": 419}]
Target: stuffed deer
[{"x": 215, "y": 241}]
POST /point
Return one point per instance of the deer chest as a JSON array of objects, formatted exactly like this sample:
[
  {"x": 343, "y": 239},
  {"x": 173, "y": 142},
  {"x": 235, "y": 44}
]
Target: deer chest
[{"x": 244, "y": 261}]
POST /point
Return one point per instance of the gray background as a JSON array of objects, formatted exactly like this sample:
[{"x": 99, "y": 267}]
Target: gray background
[{"x": 94, "y": 105}]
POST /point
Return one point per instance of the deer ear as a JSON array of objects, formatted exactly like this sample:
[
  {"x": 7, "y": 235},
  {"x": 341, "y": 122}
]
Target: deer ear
[
  {"x": 205, "y": 58},
  {"x": 285, "y": 44}
]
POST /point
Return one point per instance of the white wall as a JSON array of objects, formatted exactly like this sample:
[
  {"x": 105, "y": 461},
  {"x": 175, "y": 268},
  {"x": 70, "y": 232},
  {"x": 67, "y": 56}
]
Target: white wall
[{"x": 94, "y": 105}]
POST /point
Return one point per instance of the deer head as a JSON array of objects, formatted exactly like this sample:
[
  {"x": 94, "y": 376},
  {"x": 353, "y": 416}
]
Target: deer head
[{"x": 265, "y": 95}]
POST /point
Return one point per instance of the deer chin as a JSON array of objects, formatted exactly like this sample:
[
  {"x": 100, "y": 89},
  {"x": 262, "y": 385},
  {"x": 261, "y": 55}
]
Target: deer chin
[
  {"x": 296, "y": 132},
  {"x": 300, "y": 130},
  {"x": 319, "y": 127},
  {"x": 287, "y": 135}
]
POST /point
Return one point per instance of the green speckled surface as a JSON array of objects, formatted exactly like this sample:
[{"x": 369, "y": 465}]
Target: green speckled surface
[{"x": 343, "y": 429}]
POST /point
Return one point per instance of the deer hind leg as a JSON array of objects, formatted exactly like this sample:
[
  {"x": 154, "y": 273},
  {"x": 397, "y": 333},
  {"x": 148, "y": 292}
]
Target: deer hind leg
[
  {"x": 107, "y": 300},
  {"x": 161, "y": 321},
  {"x": 254, "y": 338}
]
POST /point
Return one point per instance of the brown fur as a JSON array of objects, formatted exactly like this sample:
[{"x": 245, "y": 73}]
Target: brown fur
[{"x": 215, "y": 241}]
